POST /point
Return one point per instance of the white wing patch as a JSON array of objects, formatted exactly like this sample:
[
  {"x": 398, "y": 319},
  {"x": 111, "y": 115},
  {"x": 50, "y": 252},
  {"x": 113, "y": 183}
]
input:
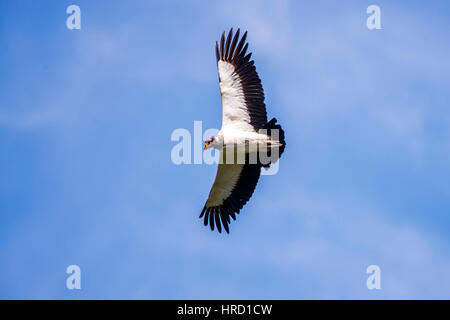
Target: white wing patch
[
  {"x": 234, "y": 109},
  {"x": 226, "y": 178}
]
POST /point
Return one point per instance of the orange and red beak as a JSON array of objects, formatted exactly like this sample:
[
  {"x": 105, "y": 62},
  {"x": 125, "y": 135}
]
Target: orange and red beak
[{"x": 206, "y": 145}]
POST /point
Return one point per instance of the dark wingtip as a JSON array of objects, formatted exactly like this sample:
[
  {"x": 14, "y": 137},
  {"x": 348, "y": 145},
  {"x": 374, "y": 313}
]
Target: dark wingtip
[
  {"x": 228, "y": 48},
  {"x": 244, "y": 36},
  {"x": 203, "y": 211},
  {"x": 222, "y": 45},
  {"x": 217, "y": 51},
  {"x": 217, "y": 217},
  {"x": 225, "y": 226},
  {"x": 211, "y": 220}
]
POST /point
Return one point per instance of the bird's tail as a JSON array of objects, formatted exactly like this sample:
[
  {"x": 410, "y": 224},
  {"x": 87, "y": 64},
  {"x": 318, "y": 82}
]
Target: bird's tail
[{"x": 275, "y": 132}]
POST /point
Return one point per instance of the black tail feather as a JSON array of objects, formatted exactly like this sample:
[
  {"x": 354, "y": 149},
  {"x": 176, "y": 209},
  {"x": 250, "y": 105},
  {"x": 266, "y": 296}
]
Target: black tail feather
[{"x": 272, "y": 125}]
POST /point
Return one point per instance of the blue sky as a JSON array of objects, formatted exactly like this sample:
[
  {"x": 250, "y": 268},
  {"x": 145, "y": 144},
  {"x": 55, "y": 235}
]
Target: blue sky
[{"x": 86, "y": 176}]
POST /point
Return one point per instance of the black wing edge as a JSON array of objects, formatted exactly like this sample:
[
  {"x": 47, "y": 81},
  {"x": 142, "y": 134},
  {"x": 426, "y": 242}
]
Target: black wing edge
[
  {"x": 234, "y": 51},
  {"x": 242, "y": 192}
]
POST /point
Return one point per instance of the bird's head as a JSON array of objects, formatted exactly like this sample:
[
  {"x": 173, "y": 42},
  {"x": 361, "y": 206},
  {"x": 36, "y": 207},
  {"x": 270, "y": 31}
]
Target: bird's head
[{"x": 208, "y": 143}]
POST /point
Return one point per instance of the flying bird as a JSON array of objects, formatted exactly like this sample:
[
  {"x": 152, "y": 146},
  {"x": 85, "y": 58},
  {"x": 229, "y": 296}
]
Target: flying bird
[{"x": 245, "y": 134}]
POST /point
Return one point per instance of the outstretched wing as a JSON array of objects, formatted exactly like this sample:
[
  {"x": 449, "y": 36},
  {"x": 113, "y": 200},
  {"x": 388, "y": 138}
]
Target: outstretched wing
[
  {"x": 242, "y": 92},
  {"x": 233, "y": 187}
]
